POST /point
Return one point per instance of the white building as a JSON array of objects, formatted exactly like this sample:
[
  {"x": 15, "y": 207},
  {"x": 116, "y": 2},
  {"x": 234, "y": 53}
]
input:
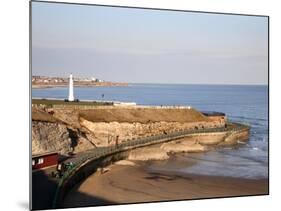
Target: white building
[{"x": 70, "y": 94}]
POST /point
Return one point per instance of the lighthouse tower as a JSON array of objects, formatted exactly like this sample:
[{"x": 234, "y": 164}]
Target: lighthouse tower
[{"x": 70, "y": 94}]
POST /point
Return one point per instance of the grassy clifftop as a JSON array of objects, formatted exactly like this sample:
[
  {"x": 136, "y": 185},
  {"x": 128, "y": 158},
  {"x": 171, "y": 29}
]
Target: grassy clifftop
[
  {"x": 38, "y": 115},
  {"x": 142, "y": 115},
  {"x": 51, "y": 103}
]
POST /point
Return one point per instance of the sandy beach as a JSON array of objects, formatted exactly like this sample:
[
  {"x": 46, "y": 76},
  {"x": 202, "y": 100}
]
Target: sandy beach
[{"x": 132, "y": 184}]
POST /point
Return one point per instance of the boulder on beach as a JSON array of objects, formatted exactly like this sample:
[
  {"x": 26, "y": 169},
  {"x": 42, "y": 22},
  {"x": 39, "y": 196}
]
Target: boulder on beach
[
  {"x": 144, "y": 154},
  {"x": 184, "y": 146},
  {"x": 125, "y": 163}
]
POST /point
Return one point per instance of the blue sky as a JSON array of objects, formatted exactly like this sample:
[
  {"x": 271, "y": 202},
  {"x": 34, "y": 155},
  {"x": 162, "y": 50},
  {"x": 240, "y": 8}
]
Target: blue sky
[{"x": 148, "y": 46}]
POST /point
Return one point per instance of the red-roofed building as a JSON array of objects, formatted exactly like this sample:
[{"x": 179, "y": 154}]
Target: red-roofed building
[{"x": 44, "y": 160}]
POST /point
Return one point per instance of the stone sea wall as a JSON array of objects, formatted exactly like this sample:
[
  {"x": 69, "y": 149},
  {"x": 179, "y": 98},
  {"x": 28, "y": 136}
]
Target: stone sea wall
[{"x": 192, "y": 143}]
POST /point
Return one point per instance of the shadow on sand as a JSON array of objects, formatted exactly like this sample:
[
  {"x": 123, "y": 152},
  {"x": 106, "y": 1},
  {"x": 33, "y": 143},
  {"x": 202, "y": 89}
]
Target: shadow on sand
[{"x": 43, "y": 192}]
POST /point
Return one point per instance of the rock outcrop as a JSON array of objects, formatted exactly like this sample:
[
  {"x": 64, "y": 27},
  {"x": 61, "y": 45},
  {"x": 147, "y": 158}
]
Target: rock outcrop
[
  {"x": 57, "y": 133},
  {"x": 148, "y": 153},
  {"x": 105, "y": 133},
  {"x": 49, "y": 136},
  {"x": 183, "y": 146},
  {"x": 74, "y": 130}
]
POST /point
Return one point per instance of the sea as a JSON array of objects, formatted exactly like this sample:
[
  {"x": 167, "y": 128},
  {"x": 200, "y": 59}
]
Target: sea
[{"x": 241, "y": 103}]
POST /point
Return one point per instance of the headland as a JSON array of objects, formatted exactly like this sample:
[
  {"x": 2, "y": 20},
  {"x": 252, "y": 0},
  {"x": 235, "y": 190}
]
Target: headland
[
  {"x": 95, "y": 134},
  {"x": 39, "y": 82}
]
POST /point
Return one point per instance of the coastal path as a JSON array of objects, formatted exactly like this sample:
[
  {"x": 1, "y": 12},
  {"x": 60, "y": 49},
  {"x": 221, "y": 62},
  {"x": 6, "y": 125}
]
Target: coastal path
[{"x": 82, "y": 158}]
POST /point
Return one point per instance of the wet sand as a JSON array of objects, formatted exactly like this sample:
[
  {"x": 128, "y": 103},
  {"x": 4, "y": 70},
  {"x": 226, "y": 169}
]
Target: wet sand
[{"x": 132, "y": 184}]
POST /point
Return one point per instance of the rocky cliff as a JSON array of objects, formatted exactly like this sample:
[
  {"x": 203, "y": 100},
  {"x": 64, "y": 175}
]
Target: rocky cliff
[
  {"x": 73, "y": 130},
  {"x": 57, "y": 133},
  {"x": 105, "y": 134}
]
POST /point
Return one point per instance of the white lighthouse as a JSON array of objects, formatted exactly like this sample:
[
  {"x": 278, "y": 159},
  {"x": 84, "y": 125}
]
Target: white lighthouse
[{"x": 70, "y": 94}]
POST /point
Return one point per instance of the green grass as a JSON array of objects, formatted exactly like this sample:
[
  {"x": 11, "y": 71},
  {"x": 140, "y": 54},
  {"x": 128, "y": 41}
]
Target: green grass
[{"x": 62, "y": 102}]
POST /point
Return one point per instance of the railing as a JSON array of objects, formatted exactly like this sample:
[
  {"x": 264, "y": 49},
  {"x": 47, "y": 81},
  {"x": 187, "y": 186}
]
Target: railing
[{"x": 134, "y": 143}]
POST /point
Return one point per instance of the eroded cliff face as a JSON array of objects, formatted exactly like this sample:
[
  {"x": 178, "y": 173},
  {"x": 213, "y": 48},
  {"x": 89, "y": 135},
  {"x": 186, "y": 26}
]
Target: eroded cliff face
[
  {"x": 105, "y": 134},
  {"x": 49, "y": 136},
  {"x": 66, "y": 130}
]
